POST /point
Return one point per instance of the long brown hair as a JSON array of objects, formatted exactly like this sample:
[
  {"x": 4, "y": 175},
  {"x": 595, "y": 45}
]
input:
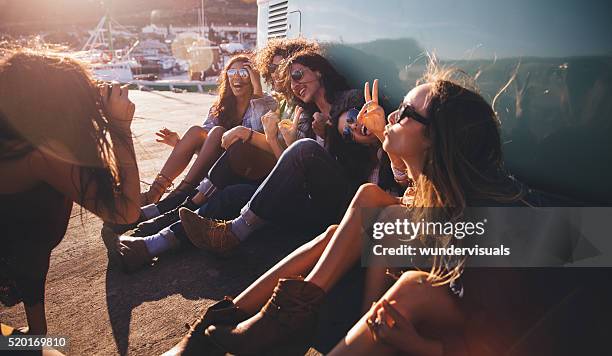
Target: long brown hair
[
  {"x": 464, "y": 163},
  {"x": 331, "y": 79},
  {"x": 49, "y": 102},
  {"x": 224, "y": 109}
]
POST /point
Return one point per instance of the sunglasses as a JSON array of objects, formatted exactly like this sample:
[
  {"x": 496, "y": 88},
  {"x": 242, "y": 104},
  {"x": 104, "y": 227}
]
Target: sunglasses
[
  {"x": 242, "y": 72},
  {"x": 347, "y": 132},
  {"x": 272, "y": 67},
  {"x": 407, "y": 110},
  {"x": 297, "y": 75}
]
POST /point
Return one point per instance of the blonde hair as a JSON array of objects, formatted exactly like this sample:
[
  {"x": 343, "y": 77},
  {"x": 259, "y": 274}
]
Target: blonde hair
[{"x": 464, "y": 161}]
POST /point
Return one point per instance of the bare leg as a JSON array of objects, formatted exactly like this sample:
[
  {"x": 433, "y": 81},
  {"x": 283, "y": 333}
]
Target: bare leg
[
  {"x": 298, "y": 262},
  {"x": 184, "y": 150},
  {"x": 208, "y": 155},
  {"x": 344, "y": 248},
  {"x": 37, "y": 322},
  {"x": 361, "y": 342},
  {"x": 419, "y": 303},
  {"x": 376, "y": 283}
]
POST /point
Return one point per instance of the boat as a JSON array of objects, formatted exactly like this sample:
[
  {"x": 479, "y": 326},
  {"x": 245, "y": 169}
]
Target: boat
[{"x": 106, "y": 63}]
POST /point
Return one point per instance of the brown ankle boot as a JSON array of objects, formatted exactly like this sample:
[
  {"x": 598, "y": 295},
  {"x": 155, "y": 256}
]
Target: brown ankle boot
[
  {"x": 284, "y": 326},
  {"x": 133, "y": 253},
  {"x": 223, "y": 312},
  {"x": 215, "y": 236}
]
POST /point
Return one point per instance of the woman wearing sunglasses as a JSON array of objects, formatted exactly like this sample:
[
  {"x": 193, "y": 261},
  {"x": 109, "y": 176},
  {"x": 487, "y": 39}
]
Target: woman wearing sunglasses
[
  {"x": 281, "y": 123},
  {"x": 233, "y": 178},
  {"x": 444, "y": 146},
  {"x": 234, "y": 116},
  {"x": 309, "y": 187},
  {"x": 241, "y": 103}
]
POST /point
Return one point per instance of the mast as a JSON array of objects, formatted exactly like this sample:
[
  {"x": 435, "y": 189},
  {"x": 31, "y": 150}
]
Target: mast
[
  {"x": 107, "y": 3},
  {"x": 203, "y": 24},
  {"x": 95, "y": 36}
]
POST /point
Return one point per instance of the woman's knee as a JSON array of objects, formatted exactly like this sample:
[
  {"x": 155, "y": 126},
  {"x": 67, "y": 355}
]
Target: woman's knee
[
  {"x": 195, "y": 131},
  {"x": 195, "y": 136},
  {"x": 368, "y": 193},
  {"x": 217, "y": 131},
  {"x": 331, "y": 229},
  {"x": 413, "y": 279},
  {"x": 329, "y": 232},
  {"x": 323, "y": 239},
  {"x": 416, "y": 296},
  {"x": 304, "y": 146}
]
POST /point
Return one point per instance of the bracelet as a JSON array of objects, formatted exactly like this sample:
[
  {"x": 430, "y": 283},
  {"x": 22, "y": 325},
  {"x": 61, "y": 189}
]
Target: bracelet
[{"x": 250, "y": 136}]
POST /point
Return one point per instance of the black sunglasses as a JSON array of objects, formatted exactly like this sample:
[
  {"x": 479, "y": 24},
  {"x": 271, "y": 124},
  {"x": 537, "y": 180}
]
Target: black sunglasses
[
  {"x": 297, "y": 75},
  {"x": 272, "y": 68},
  {"x": 407, "y": 110}
]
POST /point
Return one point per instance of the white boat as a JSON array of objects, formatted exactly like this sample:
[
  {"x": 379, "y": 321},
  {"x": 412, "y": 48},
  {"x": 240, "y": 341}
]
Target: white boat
[{"x": 119, "y": 71}]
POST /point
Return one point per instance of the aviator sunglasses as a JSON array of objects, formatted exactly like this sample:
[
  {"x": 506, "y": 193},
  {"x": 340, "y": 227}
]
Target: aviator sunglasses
[
  {"x": 242, "y": 72},
  {"x": 297, "y": 75}
]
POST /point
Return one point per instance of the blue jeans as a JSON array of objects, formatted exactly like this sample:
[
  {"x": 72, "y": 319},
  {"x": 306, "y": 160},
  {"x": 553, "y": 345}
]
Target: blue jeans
[
  {"x": 224, "y": 204},
  {"x": 236, "y": 175},
  {"x": 306, "y": 188},
  {"x": 241, "y": 163}
]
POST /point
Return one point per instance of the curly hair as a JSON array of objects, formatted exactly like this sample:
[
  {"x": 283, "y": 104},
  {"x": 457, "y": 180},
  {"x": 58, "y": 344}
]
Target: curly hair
[
  {"x": 224, "y": 108},
  {"x": 284, "y": 47}
]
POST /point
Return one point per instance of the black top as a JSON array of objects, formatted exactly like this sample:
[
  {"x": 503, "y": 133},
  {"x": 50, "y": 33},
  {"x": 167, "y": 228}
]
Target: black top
[{"x": 32, "y": 224}]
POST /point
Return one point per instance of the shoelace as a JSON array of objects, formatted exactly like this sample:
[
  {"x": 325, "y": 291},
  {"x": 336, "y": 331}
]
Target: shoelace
[{"x": 219, "y": 230}]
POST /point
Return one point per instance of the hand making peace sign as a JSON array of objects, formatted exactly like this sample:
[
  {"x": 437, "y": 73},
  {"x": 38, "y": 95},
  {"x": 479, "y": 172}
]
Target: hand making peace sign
[{"x": 372, "y": 115}]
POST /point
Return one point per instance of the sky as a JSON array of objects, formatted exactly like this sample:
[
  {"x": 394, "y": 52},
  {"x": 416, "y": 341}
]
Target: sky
[{"x": 41, "y": 13}]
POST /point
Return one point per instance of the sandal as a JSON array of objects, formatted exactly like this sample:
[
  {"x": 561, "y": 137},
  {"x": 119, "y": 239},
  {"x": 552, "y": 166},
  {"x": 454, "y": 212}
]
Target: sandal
[{"x": 156, "y": 190}]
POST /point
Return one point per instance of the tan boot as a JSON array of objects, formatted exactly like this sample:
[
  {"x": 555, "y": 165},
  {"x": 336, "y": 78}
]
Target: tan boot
[
  {"x": 195, "y": 342},
  {"x": 284, "y": 326},
  {"x": 215, "y": 236}
]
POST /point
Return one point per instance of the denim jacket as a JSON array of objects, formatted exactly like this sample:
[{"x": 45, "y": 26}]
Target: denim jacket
[{"x": 252, "y": 117}]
